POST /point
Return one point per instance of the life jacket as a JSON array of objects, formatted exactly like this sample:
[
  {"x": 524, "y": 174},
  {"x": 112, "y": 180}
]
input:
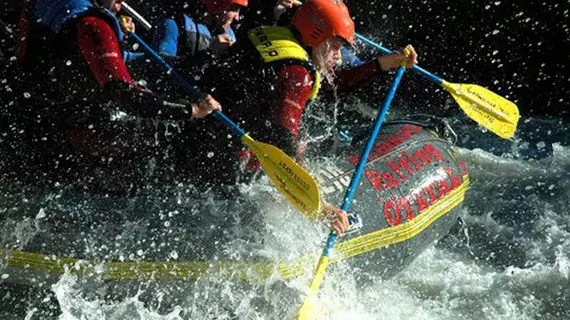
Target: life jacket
[
  {"x": 62, "y": 96},
  {"x": 249, "y": 74},
  {"x": 187, "y": 39},
  {"x": 278, "y": 46},
  {"x": 50, "y": 53},
  {"x": 245, "y": 82},
  {"x": 55, "y": 14},
  {"x": 245, "y": 86}
]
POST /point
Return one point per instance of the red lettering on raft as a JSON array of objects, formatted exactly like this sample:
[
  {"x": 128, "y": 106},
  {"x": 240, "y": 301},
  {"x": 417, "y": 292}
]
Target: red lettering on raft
[
  {"x": 381, "y": 181},
  {"x": 423, "y": 157},
  {"x": 422, "y": 202},
  {"x": 393, "y": 208},
  {"x": 404, "y": 166},
  {"x": 390, "y": 207},
  {"x": 432, "y": 151},
  {"x": 405, "y": 204},
  {"x": 429, "y": 191},
  {"x": 403, "y": 161},
  {"x": 390, "y": 180},
  {"x": 352, "y": 159},
  {"x": 376, "y": 179},
  {"x": 455, "y": 181},
  {"x": 444, "y": 189},
  {"x": 462, "y": 168},
  {"x": 383, "y": 147}
]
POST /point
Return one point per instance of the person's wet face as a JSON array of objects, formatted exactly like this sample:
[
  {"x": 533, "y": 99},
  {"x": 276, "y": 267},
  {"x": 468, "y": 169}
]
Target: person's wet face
[
  {"x": 112, "y": 5},
  {"x": 327, "y": 54}
]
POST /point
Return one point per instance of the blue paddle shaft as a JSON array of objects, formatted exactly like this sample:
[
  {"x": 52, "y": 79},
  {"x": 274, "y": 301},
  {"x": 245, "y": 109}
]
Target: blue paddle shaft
[
  {"x": 388, "y": 51},
  {"x": 191, "y": 90},
  {"x": 364, "y": 157}
]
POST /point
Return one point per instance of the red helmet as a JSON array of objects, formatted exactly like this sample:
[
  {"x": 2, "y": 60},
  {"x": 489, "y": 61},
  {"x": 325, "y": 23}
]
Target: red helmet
[
  {"x": 218, "y": 6},
  {"x": 318, "y": 20}
]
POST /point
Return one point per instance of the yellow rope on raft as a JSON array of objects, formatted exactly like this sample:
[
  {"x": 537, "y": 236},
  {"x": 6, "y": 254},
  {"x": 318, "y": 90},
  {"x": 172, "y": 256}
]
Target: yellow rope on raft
[{"x": 252, "y": 271}]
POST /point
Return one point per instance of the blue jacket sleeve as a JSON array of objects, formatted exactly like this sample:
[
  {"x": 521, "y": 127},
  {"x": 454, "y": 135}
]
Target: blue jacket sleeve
[
  {"x": 129, "y": 56},
  {"x": 349, "y": 59},
  {"x": 166, "y": 37}
]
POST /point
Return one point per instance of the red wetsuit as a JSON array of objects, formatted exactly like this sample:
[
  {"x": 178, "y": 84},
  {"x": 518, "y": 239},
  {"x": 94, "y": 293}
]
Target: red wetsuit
[
  {"x": 95, "y": 65},
  {"x": 294, "y": 85},
  {"x": 293, "y": 91},
  {"x": 73, "y": 74}
]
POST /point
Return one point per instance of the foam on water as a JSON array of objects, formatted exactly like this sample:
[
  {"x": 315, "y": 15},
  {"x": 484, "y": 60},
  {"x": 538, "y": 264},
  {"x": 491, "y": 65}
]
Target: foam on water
[
  {"x": 515, "y": 269},
  {"x": 510, "y": 259},
  {"x": 75, "y": 306}
]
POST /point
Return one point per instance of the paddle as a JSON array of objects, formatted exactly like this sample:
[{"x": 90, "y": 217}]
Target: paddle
[
  {"x": 288, "y": 177},
  {"x": 487, "y": 108},
  {"x": 308, "y": 309},
  {"x": 132, "y": 12}
]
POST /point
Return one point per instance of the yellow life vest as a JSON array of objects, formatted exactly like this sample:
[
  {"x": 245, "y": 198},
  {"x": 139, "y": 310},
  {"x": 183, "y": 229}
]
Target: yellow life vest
[{"x": 279, "y": 43}]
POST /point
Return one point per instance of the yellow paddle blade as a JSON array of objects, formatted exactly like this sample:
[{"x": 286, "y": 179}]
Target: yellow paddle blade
[
  {"x": 490, "y": 110},
  {"x": 310, "y": 310},
  {"x": 288, "y": 177}
]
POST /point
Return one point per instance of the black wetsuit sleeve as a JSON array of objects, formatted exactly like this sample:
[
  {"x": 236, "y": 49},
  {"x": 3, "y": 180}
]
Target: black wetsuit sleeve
[
  {"x": 143, "y": 103},
  {"x": 100, "y": 48}
]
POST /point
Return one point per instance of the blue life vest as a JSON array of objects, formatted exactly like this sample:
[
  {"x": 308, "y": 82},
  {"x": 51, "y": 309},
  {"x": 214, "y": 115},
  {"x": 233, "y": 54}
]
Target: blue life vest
[
  {"x": 55, "y": 14},
  {"x": 183, "y": 36}
]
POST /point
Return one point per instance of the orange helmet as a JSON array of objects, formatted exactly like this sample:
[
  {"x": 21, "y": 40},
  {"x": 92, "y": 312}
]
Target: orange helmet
[
  {"x": 318, "y": 20},
  {"x": 218, "y": 6}
]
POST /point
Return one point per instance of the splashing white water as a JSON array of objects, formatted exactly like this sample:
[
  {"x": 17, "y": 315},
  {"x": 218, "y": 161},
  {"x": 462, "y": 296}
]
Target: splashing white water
[{"x": 75, "y": 306}]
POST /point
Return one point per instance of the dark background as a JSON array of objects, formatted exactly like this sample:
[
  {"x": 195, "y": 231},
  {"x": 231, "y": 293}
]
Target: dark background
[{"x": 518, "y": 49}]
